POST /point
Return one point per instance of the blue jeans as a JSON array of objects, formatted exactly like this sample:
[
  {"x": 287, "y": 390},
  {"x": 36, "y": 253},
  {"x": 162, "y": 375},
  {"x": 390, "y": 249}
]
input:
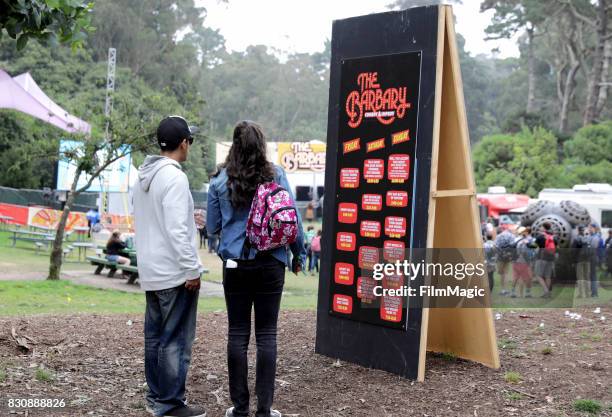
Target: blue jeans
[
  {"x": 170, "y": 323},
  {"x": 314, "y": 261},
  {"x": 257, "y": 284}
]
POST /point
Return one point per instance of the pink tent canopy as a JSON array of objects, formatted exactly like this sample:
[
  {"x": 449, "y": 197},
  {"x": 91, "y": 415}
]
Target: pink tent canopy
[{"x": 23, "y": 94}]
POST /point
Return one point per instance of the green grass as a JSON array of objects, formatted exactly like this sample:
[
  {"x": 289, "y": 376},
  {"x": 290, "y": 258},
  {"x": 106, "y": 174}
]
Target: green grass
[
  {"x": 44, "y": 375},
  {"x": 19, "y": 298},
  {"x": 513, "y": 377},
  {"x": 514, "y": 396},
  {"x": 587, "y": 406},
  {"x": 507, "y": 344},
  {"x": 546, "y": 351},
  {"x": 2, "y": 375},
  {"x": 57, "y": 297},
  {"x": 23, "y": 257}
]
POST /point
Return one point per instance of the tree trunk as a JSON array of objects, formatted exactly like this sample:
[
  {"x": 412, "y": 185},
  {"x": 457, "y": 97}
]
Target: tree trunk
[
  {"x": 57, "y": 251},
  {"x": 594, "y": 85},
  {"x": 531, "y": 106},
  {"x": 605, "y": 83},
  {"x": 569, "y": 88}
]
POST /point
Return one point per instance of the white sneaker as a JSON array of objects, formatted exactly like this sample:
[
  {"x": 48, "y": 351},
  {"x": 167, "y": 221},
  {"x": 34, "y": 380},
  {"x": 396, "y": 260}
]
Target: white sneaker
[
  {"x": 275, "y": 413},
  {"x": 229, "y": 412}
]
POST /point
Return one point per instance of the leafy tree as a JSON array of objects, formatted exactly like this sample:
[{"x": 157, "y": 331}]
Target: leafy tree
[
  {"x": 51, "y": 21},
  {"x": 524, "y": 163},
  {"x": 571, "y": 173},
  {"x": 591, "y": 145},
  {"x": 493, "y": 153},
  {"x": 519, "y": 16}
]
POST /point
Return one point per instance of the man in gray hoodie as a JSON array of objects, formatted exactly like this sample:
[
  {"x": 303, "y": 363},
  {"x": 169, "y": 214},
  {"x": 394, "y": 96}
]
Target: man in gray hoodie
[{"x": 169, "y": 268}]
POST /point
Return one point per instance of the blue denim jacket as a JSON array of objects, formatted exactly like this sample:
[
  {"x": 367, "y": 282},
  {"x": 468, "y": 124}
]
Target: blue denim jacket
[{"x": 230, "y": 222}]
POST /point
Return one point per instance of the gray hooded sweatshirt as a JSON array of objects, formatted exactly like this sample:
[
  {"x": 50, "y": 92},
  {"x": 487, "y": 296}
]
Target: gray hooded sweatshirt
[{"x": 166, "y": 233}]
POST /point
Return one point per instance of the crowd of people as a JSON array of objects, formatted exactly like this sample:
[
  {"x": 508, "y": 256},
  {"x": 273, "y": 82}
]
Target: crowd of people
[{"x": 523, "y": 256}]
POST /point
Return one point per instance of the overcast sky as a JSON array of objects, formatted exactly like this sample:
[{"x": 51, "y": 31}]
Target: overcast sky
[{"x": 303, "y": 25}]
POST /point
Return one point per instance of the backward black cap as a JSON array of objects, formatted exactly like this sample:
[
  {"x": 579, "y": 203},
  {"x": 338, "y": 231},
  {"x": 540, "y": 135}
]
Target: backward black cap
[{"x": 172, "y": 131}]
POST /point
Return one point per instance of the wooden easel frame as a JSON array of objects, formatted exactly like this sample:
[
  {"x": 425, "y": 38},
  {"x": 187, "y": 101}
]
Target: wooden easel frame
[{"x": 467, "y": 333}]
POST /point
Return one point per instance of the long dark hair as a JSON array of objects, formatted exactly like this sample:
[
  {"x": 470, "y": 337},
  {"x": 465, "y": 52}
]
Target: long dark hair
[{"x": 246, "y": 164}]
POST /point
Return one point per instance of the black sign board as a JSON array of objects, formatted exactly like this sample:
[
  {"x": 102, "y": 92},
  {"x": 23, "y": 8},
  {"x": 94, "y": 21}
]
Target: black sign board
[
  {"x": 401, "y": 48},
  {"x": 376, "y": 162},
  {"x": 398, "y": 179}
]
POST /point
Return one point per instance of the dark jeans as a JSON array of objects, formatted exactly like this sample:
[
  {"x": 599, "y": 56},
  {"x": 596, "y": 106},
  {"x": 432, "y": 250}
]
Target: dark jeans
[
  {"x": 170, "y": 322},
  {"x": 594, "y": 280},
  {"x": 259, "y": 284}
]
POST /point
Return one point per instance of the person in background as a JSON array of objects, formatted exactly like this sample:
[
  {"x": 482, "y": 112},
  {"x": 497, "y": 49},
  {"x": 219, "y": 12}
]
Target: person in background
[
  {"x": 310, "y": 233},
  {"x": 93, "y": 218},
  {"x": 310, "y": 212},
  {"x": 597, "y": 256},
  {"x": 521, "y": 268},
  {"x": 505, "y": 250},
  {"x": 251, "y": 279},
  {"x": 315, "y": 247},
  {"x": 200, "y": 221},
  {"x": 609, "y": 252},
  {"x": 212, "y": 241},
  {"x": 545, "y": 262},
  {"x": 581, "y": 248},
  {"x": 169, "y": 269},
  {"x": 203, "y": 236},
  {"x": 114, "y": 249},
  {"x": 490, "y": 255}
]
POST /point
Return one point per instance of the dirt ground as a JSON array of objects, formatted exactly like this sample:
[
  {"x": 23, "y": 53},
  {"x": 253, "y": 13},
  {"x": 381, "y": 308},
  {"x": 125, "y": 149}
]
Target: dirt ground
[{"x": 95, "y": 363}]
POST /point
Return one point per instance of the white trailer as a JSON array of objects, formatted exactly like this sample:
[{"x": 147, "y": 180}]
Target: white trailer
[{"x": 596, "y": 198}]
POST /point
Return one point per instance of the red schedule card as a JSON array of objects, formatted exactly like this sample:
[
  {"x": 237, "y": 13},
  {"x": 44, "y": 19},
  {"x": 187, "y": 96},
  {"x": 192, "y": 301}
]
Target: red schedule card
[
  {"x": 343, "y": 304},
  {"x": 344, "y": 274},
  {"x": 391, "y": 309},
  {"x": 368, "y": 257},
  {"x": 395, "y": 227},
  {"x": 394, "y": 250},
  {"x": 371, "y": 202},
  {"x": 373, "y": 170},
  {"x": 399, "y": 168},
  {"x": 346, "y": 241},
  {"x": 349, "y": 178},
  {"x": 397, "y": 199},
  {"x": 370, "y": 228},
  {"x": 347, "y": 213}
]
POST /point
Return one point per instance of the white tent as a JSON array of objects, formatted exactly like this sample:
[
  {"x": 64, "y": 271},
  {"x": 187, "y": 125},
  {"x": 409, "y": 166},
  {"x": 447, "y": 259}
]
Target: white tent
[{"x": 23, "y": 94}]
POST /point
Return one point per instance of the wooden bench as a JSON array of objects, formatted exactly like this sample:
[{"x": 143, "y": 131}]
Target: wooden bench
[
  {"x": 131, "y": 272},
  {"x": 101, "y": 263}
]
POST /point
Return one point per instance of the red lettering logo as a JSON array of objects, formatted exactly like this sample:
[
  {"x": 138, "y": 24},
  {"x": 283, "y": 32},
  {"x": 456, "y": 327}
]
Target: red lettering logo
[{"x": 371, "y": 101}]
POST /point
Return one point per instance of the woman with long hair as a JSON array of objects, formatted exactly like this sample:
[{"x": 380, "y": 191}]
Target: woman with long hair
[
  {"x": 251, "y": 279},
  {"x": 114, "y": 249}
]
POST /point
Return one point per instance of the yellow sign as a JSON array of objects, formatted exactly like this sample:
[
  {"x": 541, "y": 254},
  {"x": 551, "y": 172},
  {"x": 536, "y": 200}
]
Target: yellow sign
[{"x": 302, "y": 156}]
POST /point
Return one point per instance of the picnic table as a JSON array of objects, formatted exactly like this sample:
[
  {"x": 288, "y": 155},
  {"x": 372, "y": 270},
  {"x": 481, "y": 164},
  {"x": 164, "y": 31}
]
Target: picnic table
[
  {"x": 5, "y": 220},
  {"x": 29, "y": 236},
  {"x": 82, "y": 247},
  {"x": 81, "y": 232}
]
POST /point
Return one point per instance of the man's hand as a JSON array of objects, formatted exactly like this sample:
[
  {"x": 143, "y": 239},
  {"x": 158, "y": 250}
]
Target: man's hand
[{"x": 193, "y": 284}]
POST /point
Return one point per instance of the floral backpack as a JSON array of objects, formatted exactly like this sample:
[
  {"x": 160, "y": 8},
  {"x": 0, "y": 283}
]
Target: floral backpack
[{"x": 273, "y": 219}]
